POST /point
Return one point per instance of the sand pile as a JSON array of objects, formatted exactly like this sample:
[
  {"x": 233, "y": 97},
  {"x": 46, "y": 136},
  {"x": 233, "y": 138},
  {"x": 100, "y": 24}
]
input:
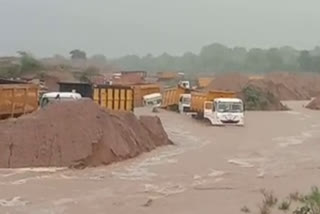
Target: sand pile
[
  {"x": 263, "y": 95},
  {"x": 314, "y": 104},
  {"x": 77, "y": 134},
  {"x": 299, "y": 85},
  {"x": 228, "y": 82}
]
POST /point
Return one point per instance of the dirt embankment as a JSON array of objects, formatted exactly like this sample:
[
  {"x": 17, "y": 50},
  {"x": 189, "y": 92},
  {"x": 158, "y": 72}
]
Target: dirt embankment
[
  {"x": 77, "y": 134},
  {"x": 258, "y": 94},
  {"x": 314, "y": 104},
  {"x": 262, "y": 95},
  {"x": 228, "y": 82},
  {"x": 301, "y": 86},
  {"x": 288, "y": 86}
]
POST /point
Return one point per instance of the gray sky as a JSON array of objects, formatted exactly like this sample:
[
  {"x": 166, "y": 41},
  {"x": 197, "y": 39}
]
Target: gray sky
[{"x": 119, "y": 27}]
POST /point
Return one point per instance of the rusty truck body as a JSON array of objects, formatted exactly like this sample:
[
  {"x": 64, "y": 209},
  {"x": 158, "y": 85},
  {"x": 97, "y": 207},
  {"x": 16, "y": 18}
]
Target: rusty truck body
[{"x": 18, "y": 99}]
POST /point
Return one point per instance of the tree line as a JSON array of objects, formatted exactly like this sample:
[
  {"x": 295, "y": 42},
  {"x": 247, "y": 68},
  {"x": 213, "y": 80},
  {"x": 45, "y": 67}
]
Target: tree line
[
  {"x": 212, "y": 58},
  {"x": 219, "y": 58}
]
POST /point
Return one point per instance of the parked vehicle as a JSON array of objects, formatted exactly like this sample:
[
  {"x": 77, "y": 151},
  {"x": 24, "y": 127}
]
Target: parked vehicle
[
  {"x": 184, "y": 103},
  {"x": 18, "y": 99},
  {"x": 171, "y": 97},
  {"x": 142, "y": 90},
  {"x": 53, "y": 97},
  {"x": 219, "y": 107},
  {"x": 114, "y": 97}
]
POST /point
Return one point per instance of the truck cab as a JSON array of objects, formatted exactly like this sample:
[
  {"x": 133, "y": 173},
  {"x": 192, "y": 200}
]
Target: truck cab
[
  {"x": 185, "y": 84},
  {"x": 152, "y": 100},
  {"x": 184, "y": 103},
  {"x": 224, "y": 111}
]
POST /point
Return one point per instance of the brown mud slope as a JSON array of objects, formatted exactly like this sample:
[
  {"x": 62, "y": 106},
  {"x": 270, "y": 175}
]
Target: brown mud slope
[
  {"x": 77, "y": 134},
  {"x": 314, "y": 104},
  {"x": 228, "y": 82},
  {"x": 263, "y": 95},
  {"x": 303, "y": 85}
]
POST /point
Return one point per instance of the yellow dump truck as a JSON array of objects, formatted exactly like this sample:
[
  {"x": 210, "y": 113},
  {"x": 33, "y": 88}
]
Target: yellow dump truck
[
  {"x": 219, "y": 107},
  {"x": 142, "y": 90},
  {"x": 171, "y": 96},
  {"x": 114, "y": 97},
  {"x": 18, "y": 99},
  {"x": 199, "y": 98}
]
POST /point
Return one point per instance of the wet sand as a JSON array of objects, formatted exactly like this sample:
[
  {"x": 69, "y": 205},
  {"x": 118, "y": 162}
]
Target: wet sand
[{"x": 208, "y": 170}]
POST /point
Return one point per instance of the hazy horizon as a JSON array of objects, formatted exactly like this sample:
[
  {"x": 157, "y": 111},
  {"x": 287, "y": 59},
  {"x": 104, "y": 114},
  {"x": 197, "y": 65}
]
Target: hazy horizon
[{"x": 116, "y": 28}]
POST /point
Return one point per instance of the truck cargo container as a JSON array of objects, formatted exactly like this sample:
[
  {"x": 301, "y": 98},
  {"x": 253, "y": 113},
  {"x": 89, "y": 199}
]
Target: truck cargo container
[
  {"x": 171, "y": 96},
  {"x": 85, "y": 89},
  {"x": 142, "y": 90},
  {"x": 18, "y": 99},
  {"x": 114, "y": 97}
]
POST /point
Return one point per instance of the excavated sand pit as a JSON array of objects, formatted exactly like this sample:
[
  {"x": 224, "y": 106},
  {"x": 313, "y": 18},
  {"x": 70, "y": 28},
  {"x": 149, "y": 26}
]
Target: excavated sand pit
[{"x": 77, "y": 134}]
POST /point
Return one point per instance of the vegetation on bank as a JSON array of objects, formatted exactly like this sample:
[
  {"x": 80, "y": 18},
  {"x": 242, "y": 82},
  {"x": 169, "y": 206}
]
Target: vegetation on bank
[{"x": 294, "y": 203}]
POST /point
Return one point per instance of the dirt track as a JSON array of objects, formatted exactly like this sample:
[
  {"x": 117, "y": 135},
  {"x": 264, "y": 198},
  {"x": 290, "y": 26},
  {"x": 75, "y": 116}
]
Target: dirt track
[{"x": 209, "y": 170}]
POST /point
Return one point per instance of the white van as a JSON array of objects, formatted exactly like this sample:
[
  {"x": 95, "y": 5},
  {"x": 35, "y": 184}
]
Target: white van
[{"x": 52, "y": 97}]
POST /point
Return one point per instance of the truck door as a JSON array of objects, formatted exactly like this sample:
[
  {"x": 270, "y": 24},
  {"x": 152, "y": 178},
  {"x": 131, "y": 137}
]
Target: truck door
[{"x": 208, "y": 107}]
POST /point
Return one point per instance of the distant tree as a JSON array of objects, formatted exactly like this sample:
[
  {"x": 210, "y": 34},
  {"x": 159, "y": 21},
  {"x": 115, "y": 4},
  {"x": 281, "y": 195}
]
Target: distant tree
[
  {"x": 305, "y": 61},
  {"x": 78, "y": 54},
  {"x": 275, "y": 60},
  {"x": 214, "y": 57},
  {"x": 89, "y": 73},
  {"x": 98, "y": 60},
  {"x": 316, "y": 64},
  {"x": 28, "y": 63},
  {"x": 256, "y": 60}
]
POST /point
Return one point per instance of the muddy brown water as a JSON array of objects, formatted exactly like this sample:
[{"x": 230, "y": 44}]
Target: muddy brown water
[{"x": 208, "y": 170}]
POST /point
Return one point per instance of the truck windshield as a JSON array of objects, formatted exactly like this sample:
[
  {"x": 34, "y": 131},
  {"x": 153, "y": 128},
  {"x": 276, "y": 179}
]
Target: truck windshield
[
  {"x": 186, "y": 100},
  {"x": 230, "y": 107}
]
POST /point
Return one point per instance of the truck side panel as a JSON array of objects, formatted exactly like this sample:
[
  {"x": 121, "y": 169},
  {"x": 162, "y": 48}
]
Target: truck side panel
[
  {"x": 114, "y": 97},
  {"x": 141, "y": 90},
  {"x": 171, "y": 96},
  {"x": 18, "y": 99}
]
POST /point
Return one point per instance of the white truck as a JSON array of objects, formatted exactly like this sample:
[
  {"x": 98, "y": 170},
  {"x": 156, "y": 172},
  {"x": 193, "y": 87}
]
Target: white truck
[
  {"x": 184, "y": 103},
  {"x": 218, "y": 107},
  {"x": 152, "y": 100}
]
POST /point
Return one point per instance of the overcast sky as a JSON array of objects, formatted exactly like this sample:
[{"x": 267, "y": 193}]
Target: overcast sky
[{"x": 119, "y": 27}]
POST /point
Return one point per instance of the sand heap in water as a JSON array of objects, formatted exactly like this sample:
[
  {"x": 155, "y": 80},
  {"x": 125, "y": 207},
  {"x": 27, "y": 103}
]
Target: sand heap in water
[
  {"x": 77, "y": 133},
  {"x": 262, "y": 95}
]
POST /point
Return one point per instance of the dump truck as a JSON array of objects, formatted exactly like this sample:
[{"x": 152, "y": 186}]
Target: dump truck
[
  {"x": 142, "y": 90},
  {"x": 18, "y": 99},
  {"x": 171, "y": 97},
  {"x": 114, "y": 97},
  {"x": 218, "y": 107}
]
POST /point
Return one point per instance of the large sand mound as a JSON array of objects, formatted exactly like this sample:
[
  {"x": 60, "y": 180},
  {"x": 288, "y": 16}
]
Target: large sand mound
[
  {"x": 77, "y": 134},
  {"x": 314, "y": 104},
  {"x": 301, "y": 87},
  {"x": 263, "y": 95},
  {"x": 229, "y": 82},
  {"x": 285, "y": 85}
]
